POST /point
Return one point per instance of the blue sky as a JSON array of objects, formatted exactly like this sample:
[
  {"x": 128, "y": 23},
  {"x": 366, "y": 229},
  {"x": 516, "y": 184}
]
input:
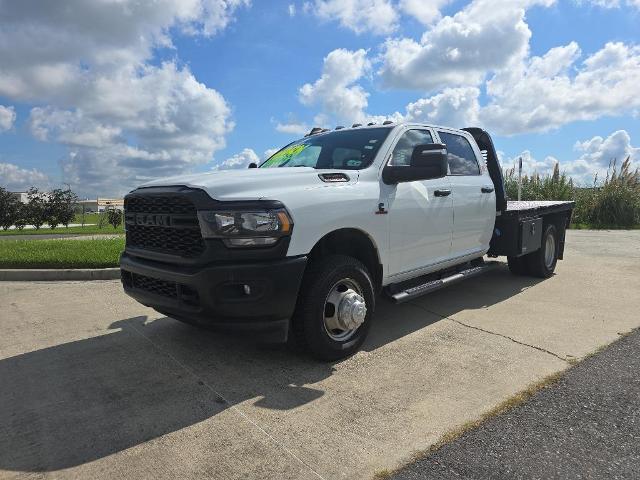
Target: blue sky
[{"x": 206, "y": 88}]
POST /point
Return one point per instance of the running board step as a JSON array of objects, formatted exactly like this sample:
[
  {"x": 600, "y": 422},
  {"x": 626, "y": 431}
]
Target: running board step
[{"x": 428, "y": 287}]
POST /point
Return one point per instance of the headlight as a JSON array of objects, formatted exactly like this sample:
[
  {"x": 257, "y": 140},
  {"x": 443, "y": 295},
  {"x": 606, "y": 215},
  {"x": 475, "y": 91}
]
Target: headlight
[{"x": 245, "y": 228}]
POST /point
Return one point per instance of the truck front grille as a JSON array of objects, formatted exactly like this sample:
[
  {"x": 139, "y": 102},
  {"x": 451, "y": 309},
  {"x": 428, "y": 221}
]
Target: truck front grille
[
  {"x": 154, "y": 285},
  {"x": 162, "y": 288},
  {"x": 177, "y": 234}
]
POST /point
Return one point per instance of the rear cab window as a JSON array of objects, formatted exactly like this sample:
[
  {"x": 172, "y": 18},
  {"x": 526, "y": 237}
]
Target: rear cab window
[{"x": 462, "y": 159}]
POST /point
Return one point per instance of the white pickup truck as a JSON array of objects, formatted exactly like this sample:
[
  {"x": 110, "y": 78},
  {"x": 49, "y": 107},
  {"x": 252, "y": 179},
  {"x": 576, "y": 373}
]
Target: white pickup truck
[{"x": 301, "y": 246}]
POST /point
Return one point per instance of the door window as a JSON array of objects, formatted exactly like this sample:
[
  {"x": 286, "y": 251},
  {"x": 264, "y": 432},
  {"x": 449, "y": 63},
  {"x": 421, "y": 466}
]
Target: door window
[
  {"x": 462, "y": 159},
  {"x": 404, "y": 148}
]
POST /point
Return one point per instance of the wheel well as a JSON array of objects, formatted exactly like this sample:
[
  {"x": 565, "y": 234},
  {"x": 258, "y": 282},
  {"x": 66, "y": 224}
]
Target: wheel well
[{"x": 354, "y": 243}]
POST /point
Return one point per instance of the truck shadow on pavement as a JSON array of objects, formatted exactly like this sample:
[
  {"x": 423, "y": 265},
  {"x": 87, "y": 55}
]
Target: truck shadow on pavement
[
  {"x": 77, "y": 402},
  {"x": 396, "y": 321}
]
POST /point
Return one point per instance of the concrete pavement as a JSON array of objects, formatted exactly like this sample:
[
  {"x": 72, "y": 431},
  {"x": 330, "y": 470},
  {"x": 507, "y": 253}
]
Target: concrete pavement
[{"x": 102, "y": 387}]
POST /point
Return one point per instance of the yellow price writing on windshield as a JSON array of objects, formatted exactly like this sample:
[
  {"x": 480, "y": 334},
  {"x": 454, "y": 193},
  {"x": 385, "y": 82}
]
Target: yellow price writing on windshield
[{"x": 285, "y": 155}]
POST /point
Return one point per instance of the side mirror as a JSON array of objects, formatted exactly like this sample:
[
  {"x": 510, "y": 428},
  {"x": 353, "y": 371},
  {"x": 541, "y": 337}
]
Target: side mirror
[
  {"x": 428, "y": 162},
  {"x": 253, "y": 165}
]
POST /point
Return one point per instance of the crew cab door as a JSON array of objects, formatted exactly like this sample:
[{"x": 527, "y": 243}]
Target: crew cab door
[
  {"x": 472, "y": 195},
  {"x": 420, "y": 213}
]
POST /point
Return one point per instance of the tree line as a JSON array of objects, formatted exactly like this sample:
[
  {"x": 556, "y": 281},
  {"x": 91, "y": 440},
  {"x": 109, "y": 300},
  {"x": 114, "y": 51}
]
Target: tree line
[{"x": 56, "y": 207}]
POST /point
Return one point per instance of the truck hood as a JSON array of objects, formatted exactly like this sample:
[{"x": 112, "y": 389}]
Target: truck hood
[{"x": 253, "y": 183}]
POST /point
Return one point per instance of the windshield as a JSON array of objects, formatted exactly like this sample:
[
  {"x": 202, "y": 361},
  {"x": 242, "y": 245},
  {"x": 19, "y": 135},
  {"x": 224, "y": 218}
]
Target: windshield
[{"x": 341, "y": 149}]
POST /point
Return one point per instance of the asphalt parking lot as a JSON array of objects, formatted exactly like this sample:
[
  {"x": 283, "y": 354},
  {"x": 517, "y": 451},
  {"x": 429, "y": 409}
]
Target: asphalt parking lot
[
  {"x": 585, "y": 425},
  {"x": 97, "y": 386}
]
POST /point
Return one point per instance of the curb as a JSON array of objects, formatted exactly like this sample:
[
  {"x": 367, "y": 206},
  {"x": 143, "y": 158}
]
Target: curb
[{"x": 47, "y": 274}]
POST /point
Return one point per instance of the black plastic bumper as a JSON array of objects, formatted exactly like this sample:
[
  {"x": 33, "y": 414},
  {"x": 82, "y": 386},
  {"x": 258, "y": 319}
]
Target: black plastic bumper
[{"x": 258, "y": 296}]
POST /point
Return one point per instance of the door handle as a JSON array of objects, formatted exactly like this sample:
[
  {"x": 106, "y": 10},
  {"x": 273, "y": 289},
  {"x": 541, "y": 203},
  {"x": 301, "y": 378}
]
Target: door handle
[
  {"x": 487, "y": 189},
  {"x": 442, "y": 193}
]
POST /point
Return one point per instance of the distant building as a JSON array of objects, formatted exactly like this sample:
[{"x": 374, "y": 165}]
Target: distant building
[
  {"x": 21, "y": 196},
  {"x": 101, "y": 204}
]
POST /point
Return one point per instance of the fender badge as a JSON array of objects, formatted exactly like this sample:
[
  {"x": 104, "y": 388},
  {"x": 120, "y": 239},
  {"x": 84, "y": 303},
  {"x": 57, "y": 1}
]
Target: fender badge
[{"x": 381, "y": 210}]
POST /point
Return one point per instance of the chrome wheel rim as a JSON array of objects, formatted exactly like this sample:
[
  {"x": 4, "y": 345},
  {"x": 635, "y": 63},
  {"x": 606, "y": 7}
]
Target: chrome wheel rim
[
  {"x": 345, "y": 310},
  {"x": 550, "y": 251}
]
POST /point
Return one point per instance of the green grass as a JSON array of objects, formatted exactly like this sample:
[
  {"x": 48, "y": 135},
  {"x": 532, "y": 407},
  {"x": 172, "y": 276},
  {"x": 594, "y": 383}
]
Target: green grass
[
  {"x": 88, "y": 218},
  {"x": 101, "y": 253},
  {"x": 86, "y": 230}
]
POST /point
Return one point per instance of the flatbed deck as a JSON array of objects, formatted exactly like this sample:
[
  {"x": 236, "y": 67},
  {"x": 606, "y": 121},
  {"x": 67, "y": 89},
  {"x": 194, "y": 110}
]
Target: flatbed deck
[{"x": 532, "y": 208}]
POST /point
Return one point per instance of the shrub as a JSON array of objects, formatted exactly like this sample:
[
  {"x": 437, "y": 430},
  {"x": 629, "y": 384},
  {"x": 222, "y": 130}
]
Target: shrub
[
  {"x": 21, "y": 218},
  {"x": 36, "y": 208},
  {"x": 60, "y": 207},
  {"x": 115, "y": 217},
  {"x": 613, "y": 203},
  {"x": 616, "y": 203},
  {"x": 9, "y": 209},
  {"x": 103, "y": 219},
  {"x": 557, "y": 186}
]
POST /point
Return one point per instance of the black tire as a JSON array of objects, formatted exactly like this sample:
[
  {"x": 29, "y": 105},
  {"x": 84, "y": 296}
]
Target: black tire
[
  {"x": 538, "y": 264},
  {"x": 518, "y": 265},
  {"x": 308, "y": 323}
]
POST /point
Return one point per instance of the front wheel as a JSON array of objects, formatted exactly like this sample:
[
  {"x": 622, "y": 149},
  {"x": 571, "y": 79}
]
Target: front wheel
[{"x": 335, "y": 307}]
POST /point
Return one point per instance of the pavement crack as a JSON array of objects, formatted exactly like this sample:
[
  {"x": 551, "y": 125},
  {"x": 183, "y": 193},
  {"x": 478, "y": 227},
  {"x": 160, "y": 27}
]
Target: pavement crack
[
  {"x": 221, "y": 399},
  {"x": 535, "y": 347}
]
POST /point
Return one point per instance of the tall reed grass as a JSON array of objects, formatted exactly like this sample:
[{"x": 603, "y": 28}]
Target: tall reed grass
[{"x": 612, "y": 203}]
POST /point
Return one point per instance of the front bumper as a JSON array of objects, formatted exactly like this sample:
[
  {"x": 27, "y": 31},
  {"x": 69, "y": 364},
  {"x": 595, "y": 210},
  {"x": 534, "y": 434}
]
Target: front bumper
[{"x": 258, "y": 296}]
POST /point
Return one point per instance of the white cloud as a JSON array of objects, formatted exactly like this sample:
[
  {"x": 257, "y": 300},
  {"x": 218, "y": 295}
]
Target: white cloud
[
  {"x": 215, "y": 15},
  {"x": 239, "y": 161},
  {"x": 133, "y": 128},
  {"x": 547, "y": 92},
  {"x": 542, "y": 93},
  {"x": 293, "y": 128},
  {"x": 609, "y": 3},
  {"x": 595, "y": 157},
  {"x": 270, "y": 151},
  {"x": 457, "y": 107},
  {"x": 292, "y": 10},
  {"x": 7, "y": 118},
  {"x": 425, "y": 11},
  {"x": 88, "y": 69},
  {"x": 376, "y": 16},
  {"x": 335, "y": 90},
  {"x": 485, "y": 36},
  {"x": 17, "y": 179},
  {"x": 46, "y": 50},
  {"x": 602, "y": 151},
  {"x": 453, "y": 107},
  {"x": 598, "y": 153},
  {"x": 531, "y": 165}
]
